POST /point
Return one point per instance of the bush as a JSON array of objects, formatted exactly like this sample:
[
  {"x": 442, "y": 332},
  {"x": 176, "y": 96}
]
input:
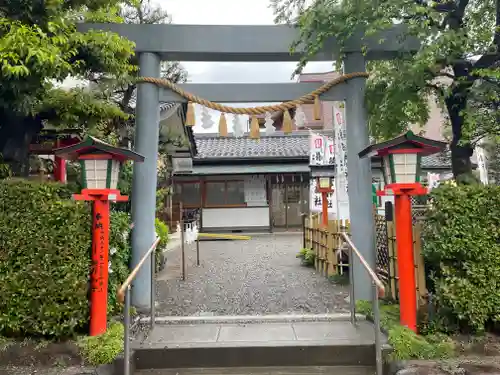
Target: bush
[
  {"x": 307, "y": 256},
  {"x": 162, "y": 232},
  {"x": 120, "y": 255},
  {"x": 44, "y": 260},
  {"x": 461, "y": 248},
  {"x": 45, "y": 248},
  {"x": 405, "y": 343},
  {"x": 103, "y": 349}
]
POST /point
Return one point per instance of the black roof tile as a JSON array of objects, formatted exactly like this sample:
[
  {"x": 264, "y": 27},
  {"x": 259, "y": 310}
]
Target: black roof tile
[{"x": 276, "y": 146}]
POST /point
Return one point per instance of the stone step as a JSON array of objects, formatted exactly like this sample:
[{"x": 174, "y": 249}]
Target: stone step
[
  {"x": 209, "y": 345},
  {"x": 297, "y": 370},
  {"x": 247, "y": 319}
]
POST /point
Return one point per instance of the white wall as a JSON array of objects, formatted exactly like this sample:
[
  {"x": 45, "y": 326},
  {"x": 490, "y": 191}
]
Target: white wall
[{"x": 238, "y": 217}]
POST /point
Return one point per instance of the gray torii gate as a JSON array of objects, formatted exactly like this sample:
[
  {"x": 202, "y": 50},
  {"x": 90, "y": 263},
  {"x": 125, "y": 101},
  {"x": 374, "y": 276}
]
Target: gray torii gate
[{"x": 156, "y": 43}]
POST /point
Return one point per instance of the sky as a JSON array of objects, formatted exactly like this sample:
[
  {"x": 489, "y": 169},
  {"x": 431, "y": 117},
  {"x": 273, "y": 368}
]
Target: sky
[{"x": 230, "y": 12}]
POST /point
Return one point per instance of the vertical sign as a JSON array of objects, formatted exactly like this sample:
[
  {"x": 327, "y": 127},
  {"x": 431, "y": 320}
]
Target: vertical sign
[
  {"x": 341, "y": 185},
  {"x": 316, "y": 149},
  {"x": 329, "y": 151},
  {"x": 481, "y": 165}
]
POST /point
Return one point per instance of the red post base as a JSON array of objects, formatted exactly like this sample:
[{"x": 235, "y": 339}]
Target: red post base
[
  {"x": 100, "y": 255},
  {"x": 406, "y": 262},
  {"x": 99, "y": 271},
  {"x": 324, "y": 208},
  {"x": 404, "y": 242}
]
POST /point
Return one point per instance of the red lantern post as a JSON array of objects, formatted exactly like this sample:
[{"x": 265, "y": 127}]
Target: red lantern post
[
  {"x": 401, "y": 162},
  {"x": 100, "y": 164},
  {"x": 324, "y": 186}
]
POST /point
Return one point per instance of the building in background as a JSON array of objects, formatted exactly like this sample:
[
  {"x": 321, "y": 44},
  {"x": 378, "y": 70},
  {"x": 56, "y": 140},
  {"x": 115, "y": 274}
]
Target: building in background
[{"x": 246, "y": 185}]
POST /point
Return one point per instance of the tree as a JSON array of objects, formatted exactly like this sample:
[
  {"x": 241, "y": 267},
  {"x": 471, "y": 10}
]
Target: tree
[
  {"x": 39, "y": 48},
  {"x": 456, "y": 64},
  {"x": 122, "y": 90}
]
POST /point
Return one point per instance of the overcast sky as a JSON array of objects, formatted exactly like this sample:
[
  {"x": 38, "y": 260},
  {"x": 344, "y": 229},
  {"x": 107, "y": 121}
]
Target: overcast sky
[{"x": 231, "y": 12}]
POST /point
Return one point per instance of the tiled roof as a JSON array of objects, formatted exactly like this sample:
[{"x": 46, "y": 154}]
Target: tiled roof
[{"x": 276, "y": 146}]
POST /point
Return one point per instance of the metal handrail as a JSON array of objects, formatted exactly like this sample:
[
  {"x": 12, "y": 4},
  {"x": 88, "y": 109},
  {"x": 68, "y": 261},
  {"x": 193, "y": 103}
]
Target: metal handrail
[
  {"x": 133, "y": 274},
  {"x": 123, "y": 295},
  {"x": 365, "y": 264},
  {"x": 378, "y": 287}
]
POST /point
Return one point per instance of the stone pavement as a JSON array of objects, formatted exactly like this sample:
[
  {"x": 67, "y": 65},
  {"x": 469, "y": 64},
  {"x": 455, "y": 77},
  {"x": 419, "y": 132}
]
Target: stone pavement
[
  {"x": 256, "y": 277},
  {"x": 278, "y": 370},
  {"x": 61, "y": 370},
  {"x": 251, "y": 334}
]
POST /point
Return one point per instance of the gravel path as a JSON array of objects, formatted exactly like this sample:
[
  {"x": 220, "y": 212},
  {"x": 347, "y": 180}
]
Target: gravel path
[{"x": 255, "y": 277}]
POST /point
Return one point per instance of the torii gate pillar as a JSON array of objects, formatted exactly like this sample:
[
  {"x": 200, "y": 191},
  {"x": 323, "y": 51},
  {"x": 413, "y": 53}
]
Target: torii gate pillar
[
  {"x": 359, "y": 177},
  {"x": 144, "y": 178}
]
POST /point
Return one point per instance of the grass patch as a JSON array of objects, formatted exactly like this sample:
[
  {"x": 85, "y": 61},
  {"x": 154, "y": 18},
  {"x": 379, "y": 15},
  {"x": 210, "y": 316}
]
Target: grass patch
[
  {"x": 339, "y": 279},
  {"x": 307, "y": 257},
  {"x": 4, "y": 343},
  {"x": 407, "y": 344},
  {"x": 103, "y": 349}
]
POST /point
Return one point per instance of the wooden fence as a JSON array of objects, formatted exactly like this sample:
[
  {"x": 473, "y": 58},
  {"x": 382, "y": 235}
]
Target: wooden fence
[{"x": 331, "y": 253}]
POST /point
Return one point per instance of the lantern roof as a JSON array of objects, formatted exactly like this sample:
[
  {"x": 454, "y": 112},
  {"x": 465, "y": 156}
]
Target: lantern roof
[
  {"x": 407, "y": 141},
  {"x": 93, "y": 146}
]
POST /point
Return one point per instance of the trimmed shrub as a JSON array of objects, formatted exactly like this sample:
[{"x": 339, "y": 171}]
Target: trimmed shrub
[
  {"x": 45, "y": 244},
  {"x": 462, "y": 250},
  {"x": 162, "y": 232},
  {"x": 44, "y": 260},
  {"x": 119, "y": 255}
]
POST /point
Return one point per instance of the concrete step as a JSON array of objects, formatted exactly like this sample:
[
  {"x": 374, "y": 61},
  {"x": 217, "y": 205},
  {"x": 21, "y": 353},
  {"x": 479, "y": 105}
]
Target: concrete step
[
  {"x": 258, "y": 344},
  {"x": 297, "y": 370},
  {"x": 251, "y": 319}
]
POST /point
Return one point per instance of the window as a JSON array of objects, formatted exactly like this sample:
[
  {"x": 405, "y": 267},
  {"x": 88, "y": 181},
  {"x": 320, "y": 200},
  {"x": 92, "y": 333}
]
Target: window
[
  {"x": 225, "y": 193},
  {"x": 188, "y": 193},
  {"x": 235, "y": 192},
  {"x": 216, "y": 193}
]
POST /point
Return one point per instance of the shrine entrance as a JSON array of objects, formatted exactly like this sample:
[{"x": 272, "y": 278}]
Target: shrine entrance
[{"x": 263, "y": 43}]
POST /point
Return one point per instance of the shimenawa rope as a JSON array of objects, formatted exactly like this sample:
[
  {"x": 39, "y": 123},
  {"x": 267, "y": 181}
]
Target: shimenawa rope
[{"x": 259, "y": 110}]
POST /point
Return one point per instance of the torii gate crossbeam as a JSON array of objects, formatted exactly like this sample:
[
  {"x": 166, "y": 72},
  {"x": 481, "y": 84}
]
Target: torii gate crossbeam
[{"x": 155, "y": 43}]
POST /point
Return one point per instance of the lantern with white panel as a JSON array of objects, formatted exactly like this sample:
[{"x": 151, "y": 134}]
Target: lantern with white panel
[
  {"x": 401, "y": 167},
  {"x": 401, "y": 162},
  {"x": 100, "y": 171},
  {"x": 401, "y": 159},
  {"x": 100, "y": 163},
  {"x": 324, "y": 175}
]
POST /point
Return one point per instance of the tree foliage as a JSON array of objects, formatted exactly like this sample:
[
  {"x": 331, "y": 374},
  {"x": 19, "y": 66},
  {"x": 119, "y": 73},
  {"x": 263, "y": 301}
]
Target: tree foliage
[
  {"x": 122, "y": 90},
  {"x": 456, "y": 64},
  {"x": 39, "y": 48}
]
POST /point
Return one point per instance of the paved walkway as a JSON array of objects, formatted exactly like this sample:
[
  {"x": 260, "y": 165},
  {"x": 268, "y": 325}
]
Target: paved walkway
[
  {"x": 265, "y": 334},
  {"x": 255, "y": 277}
]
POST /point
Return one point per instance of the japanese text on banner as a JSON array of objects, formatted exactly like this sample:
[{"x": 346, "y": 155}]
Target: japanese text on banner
[
  {"x": 316, "y": 149},
  {"x": 340, "y": 146},
  {"x": 316, "y": 201}
]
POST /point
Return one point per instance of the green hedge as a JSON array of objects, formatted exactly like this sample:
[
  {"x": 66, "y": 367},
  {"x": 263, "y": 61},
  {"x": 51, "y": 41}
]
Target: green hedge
[
  {"x": 120, "y": 255},
  {"x": 45, "y": 259},
  {"x": 462, "y": 249}
]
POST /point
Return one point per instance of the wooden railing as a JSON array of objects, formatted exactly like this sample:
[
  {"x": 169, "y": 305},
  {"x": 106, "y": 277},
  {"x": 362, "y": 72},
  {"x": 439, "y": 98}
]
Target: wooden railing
[{"x": 331, "y": 254}]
